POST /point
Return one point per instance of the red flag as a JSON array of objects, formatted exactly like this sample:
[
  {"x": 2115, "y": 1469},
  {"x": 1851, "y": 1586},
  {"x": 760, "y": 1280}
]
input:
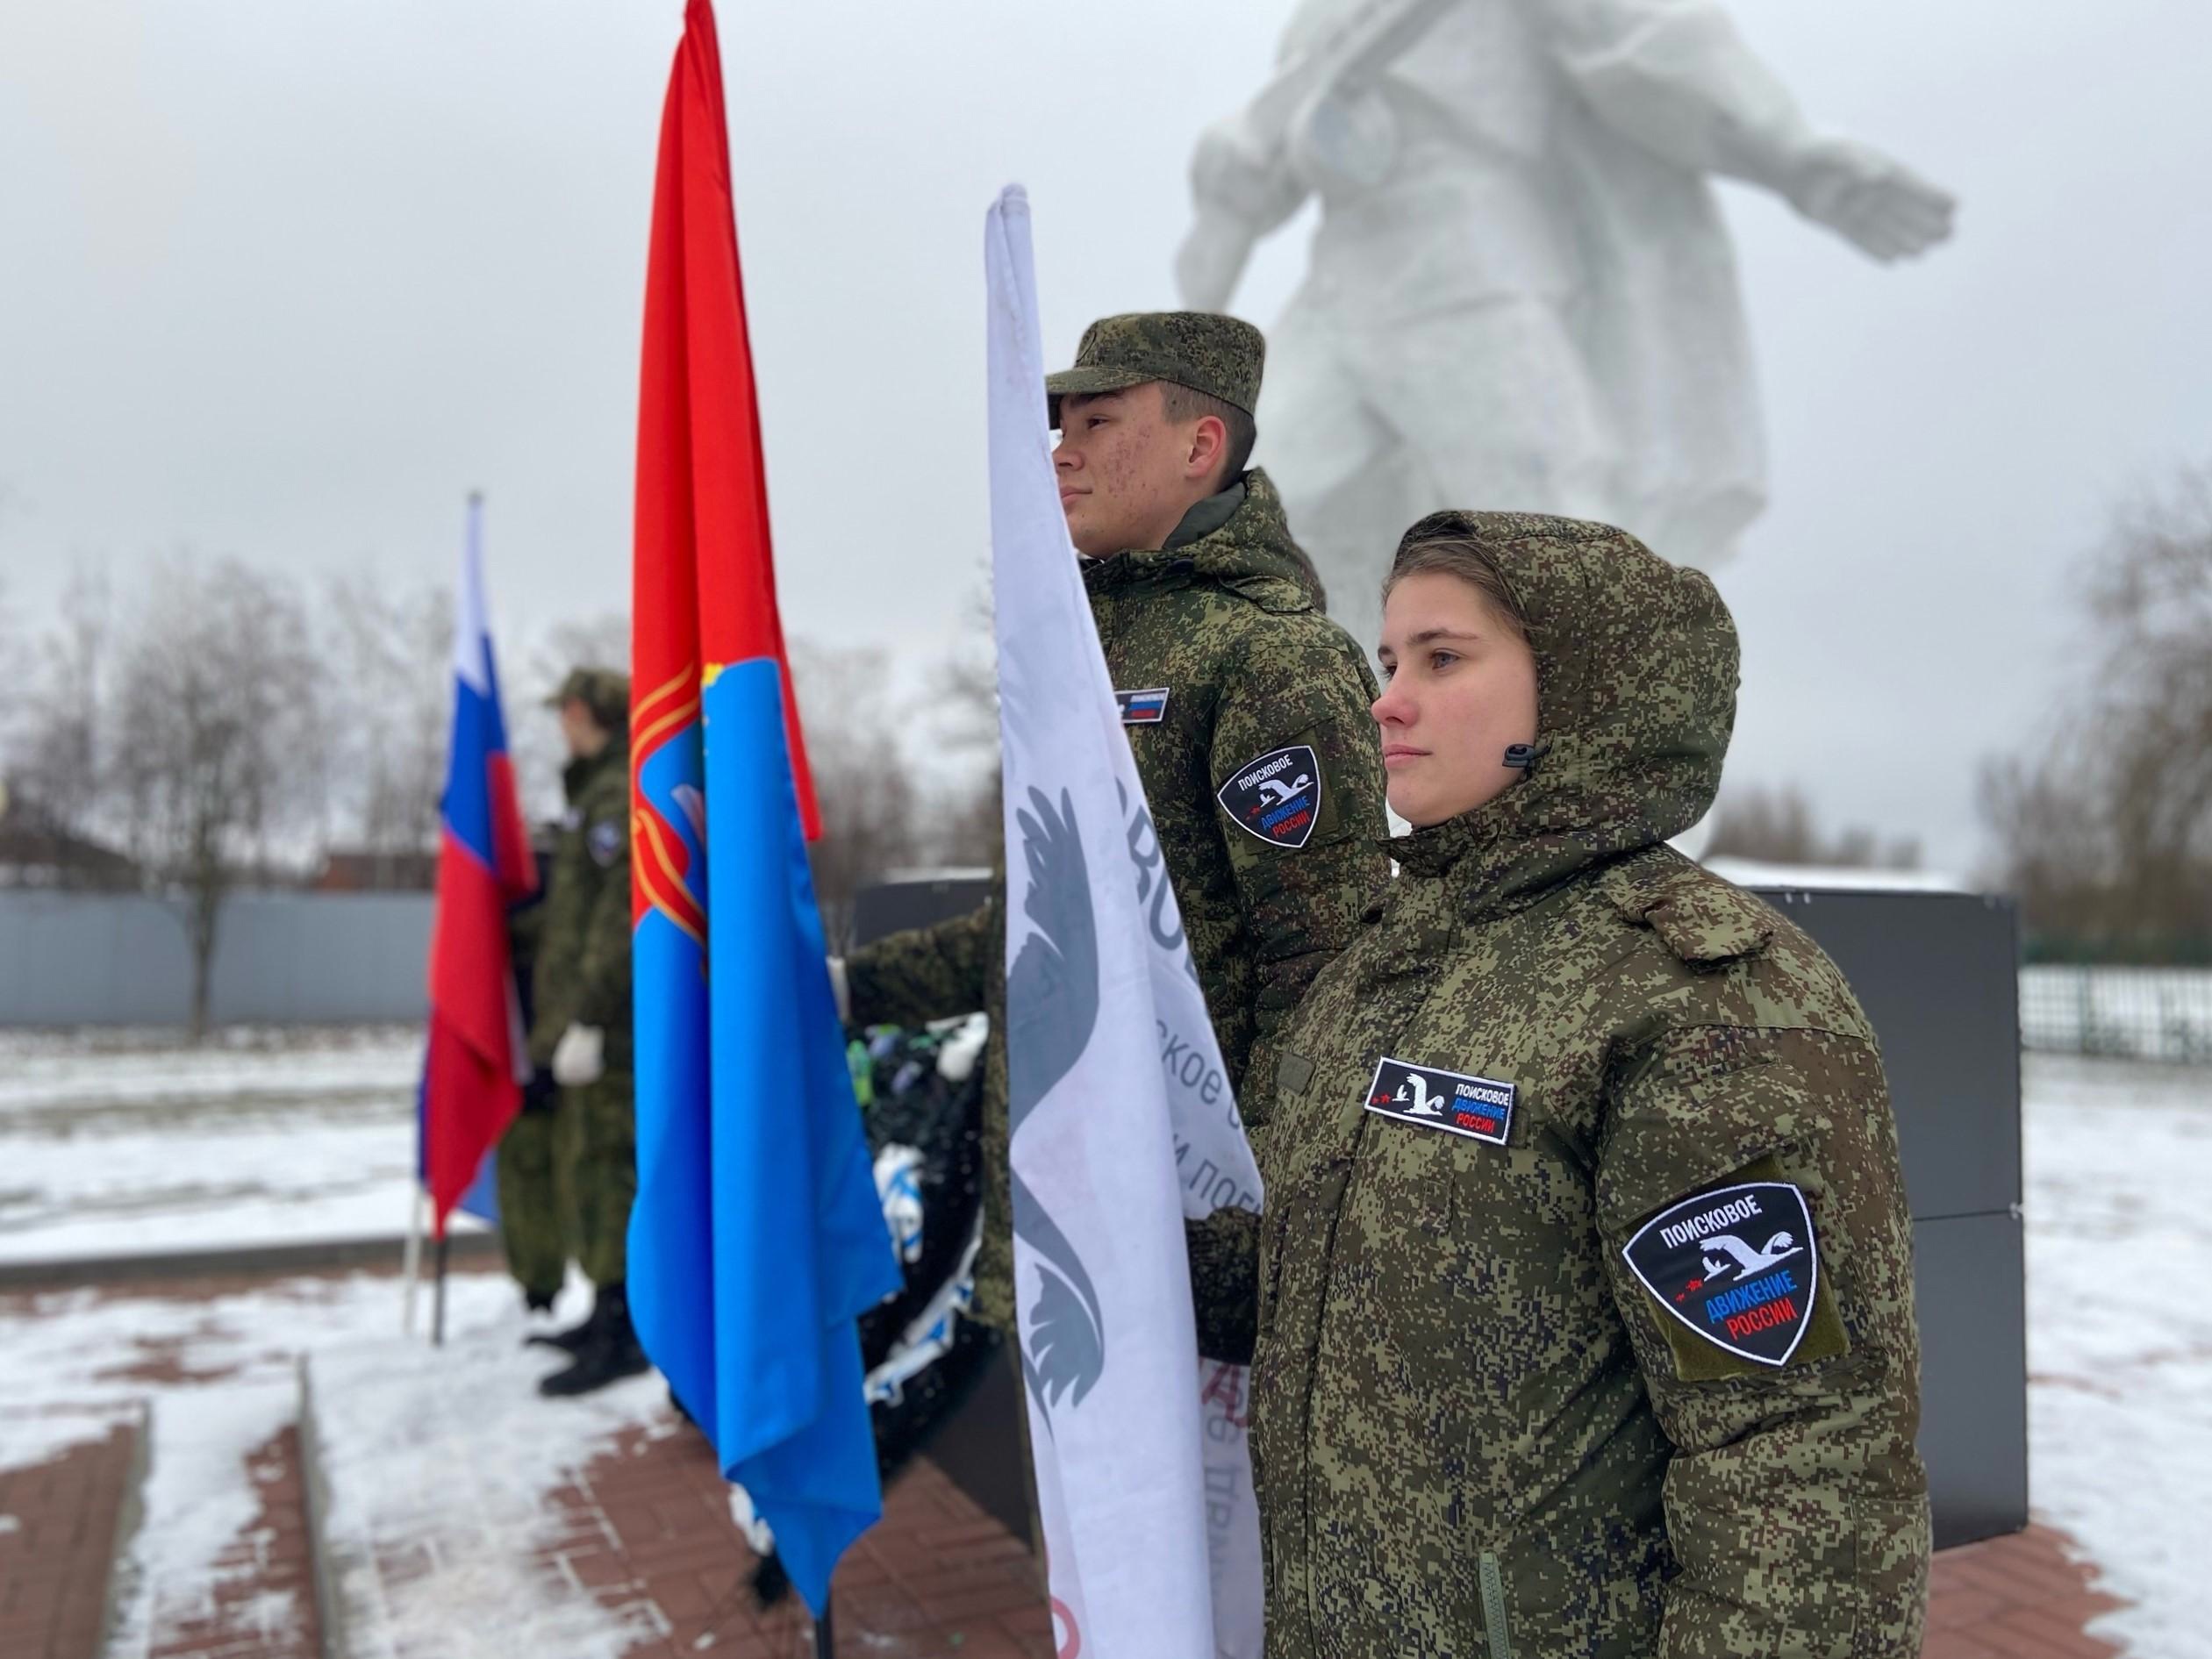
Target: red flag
[{"x": 701, "y": 484}]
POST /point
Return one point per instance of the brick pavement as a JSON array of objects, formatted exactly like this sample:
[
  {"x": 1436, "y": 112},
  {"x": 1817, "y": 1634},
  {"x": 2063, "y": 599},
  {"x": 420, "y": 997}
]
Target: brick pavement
[
  {"x": 57, "y": 1544},
  {"x": 647, "y": 1530},
  {"x": 649, "y": 1524},
  {"x": 261, "y": 1602},
  {"x": 938, "y": 1577},
  {"x": 2019, "y": 1598}
]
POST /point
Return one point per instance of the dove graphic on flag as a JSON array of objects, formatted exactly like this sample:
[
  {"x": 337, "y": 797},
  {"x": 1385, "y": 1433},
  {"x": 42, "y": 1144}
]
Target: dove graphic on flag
[{"x": 1144, "y": 1484}]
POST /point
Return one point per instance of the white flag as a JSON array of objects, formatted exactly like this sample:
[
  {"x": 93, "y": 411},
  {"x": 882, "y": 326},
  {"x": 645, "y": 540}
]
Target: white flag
[{"x": 1123, "y": 1122}]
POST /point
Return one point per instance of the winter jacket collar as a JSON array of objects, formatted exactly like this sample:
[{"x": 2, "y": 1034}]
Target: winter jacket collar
[
  {"x": 1207, "y": 517},
  {"x": 1247, "y": 547},
  {"x": 583, "y": 770}
]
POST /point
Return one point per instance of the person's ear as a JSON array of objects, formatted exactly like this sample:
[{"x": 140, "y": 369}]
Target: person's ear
[{"x": 1209, "y": 439}]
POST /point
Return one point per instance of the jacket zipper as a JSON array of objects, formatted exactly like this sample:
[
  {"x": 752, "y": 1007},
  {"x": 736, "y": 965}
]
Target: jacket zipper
[{"x": 1493, "y": 1608}]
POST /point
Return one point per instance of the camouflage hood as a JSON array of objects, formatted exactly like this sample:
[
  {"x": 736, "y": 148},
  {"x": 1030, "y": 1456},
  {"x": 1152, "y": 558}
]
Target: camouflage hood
[
  {"x": 1249, "y": 552},
  {"x": 1636, "y": 672}
]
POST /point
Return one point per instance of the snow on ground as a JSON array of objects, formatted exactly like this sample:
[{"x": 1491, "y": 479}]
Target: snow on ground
[
  {"x": 2119, "y": 1222},
  {"x": 127, "y": 1143},
  {"x": 218, "y": 1378},
  {"x": 50, "y": 1069},
  {"x": 139, "y": 1145},
  {"x": 451, "y": 1453}
]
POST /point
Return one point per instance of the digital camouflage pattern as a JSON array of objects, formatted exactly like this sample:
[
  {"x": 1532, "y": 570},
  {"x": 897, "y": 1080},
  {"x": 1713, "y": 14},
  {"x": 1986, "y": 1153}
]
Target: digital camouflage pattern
[
  {"x": 531, "y": 1232},
  {"x": 582, "y": 974},
  {"x": 1475, "y": 1432},
  {"x": 1224, "y": 621},
  {"x": 583, "y": 977},
  {"x": 1221, "y": 356},
  {"x": 596, "y": 1172}
]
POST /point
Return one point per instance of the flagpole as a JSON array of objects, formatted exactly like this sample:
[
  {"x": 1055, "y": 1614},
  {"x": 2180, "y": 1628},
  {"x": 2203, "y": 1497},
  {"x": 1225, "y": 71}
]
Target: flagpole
[
  {"x": 825, "y": 1642},
  {"x": 410, "y": 1263},
  {"x": 438, "y": 1300}
]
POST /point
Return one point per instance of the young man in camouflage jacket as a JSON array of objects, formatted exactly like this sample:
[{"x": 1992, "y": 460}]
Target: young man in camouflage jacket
[{"x": 1246, "y": 709}]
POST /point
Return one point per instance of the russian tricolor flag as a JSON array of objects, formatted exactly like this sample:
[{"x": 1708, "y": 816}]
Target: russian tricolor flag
[
  {"x": 1147, "y": 707},
  {"x": 473, "y": 1073},
  {"x": 757, "y": 1238}
]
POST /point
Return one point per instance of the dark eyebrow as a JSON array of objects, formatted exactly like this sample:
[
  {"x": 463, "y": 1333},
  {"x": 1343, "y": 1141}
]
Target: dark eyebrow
[{"x": 1426, "y": 635}]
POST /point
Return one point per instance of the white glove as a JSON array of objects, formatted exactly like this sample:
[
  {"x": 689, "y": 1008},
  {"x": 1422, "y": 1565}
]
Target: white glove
[
  {"x": 956, "y": 1058},
  {"x": 580, "y": 1056},
  {"x": 748, "y": 1521},
  {"x": 844, "y": 995}
]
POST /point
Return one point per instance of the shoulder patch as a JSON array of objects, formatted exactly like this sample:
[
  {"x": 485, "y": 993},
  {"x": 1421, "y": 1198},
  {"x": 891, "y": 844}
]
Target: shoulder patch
[
  {"x": 1735, "y": 1270},
  {"x": 1276, "y": 797},
  {"x": 604, "y": 840}
]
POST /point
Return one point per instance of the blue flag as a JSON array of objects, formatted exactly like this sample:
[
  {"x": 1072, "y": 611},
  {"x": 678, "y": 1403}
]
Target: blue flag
[{"x": 757, "y": 1238}]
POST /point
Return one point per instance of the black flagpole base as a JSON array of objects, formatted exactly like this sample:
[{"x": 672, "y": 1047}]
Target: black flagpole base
[{"x": 824, "y": 1641}]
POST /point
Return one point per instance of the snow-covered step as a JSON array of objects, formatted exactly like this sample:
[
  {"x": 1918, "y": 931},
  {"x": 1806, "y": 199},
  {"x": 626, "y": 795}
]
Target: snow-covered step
[{"x": 440, "y": 1486}]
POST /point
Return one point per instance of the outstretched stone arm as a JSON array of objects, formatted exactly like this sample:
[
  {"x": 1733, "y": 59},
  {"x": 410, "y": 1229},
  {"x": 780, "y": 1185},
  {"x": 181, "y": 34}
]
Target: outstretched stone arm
[{"x": 1676, "y": 77}]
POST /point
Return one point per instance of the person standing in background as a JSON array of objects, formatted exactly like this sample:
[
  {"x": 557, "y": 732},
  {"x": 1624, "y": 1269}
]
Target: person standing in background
[{"x": 581, "y": 1032}]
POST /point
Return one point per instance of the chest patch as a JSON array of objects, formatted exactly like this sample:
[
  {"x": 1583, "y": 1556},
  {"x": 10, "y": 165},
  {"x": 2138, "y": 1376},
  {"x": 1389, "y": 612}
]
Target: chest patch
[
  {"x": 1276, "y": 797},
  {"x": 1737, "y": 1265},
  {"x": 1143, "y": 708},
  {"x": 1480, "y": 1108},
  {"x": 604, "y": 840}
]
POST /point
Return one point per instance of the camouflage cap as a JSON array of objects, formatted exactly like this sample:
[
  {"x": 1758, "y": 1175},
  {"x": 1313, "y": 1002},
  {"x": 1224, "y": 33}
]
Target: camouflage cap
[
  {"x": 1221, "y": 356},
  {"x": 605, "y": 691}
]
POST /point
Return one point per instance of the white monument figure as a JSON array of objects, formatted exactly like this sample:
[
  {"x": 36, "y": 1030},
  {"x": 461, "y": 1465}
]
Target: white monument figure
[{"x": 1520, "y": 293}]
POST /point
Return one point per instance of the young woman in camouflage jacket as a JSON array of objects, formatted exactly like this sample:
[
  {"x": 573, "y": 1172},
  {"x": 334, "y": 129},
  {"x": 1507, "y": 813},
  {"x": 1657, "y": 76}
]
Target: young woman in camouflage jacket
[{"x": 1585, "y": 1308}]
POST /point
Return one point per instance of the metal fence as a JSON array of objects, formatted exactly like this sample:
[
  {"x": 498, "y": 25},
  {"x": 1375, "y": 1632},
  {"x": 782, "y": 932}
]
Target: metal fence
[
  {"x": 101, "y": 959},
  {"x": 281, "y": 958},
  {"x": 2142, "y": 1013}
]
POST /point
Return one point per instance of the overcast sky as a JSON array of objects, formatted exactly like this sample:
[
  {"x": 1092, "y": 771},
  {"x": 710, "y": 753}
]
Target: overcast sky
[{"x": 284, "y": 279}]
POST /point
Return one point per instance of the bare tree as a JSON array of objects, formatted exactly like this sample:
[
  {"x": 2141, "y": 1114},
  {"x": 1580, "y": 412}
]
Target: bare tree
[
  {"x": 870, "y": 809},
  {"x": 2057, "y": 855},
  {"x": 11, "y": 669},
  {"x": 963, "y": 809},
  {"x": 602, "y": 642},
  {"x": 1776, "y": 826},
  {"x": 2106, "y": 833},
  {"x": 60, "y": 740},
  {"x": 390, "y": 651},
  {"x": 215, "y": 697}
]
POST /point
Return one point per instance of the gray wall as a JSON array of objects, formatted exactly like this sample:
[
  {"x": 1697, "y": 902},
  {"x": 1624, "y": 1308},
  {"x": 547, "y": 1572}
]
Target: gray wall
[
  {"x": 97, "y": 959},
  {"x": 1937, "y": 974}
]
